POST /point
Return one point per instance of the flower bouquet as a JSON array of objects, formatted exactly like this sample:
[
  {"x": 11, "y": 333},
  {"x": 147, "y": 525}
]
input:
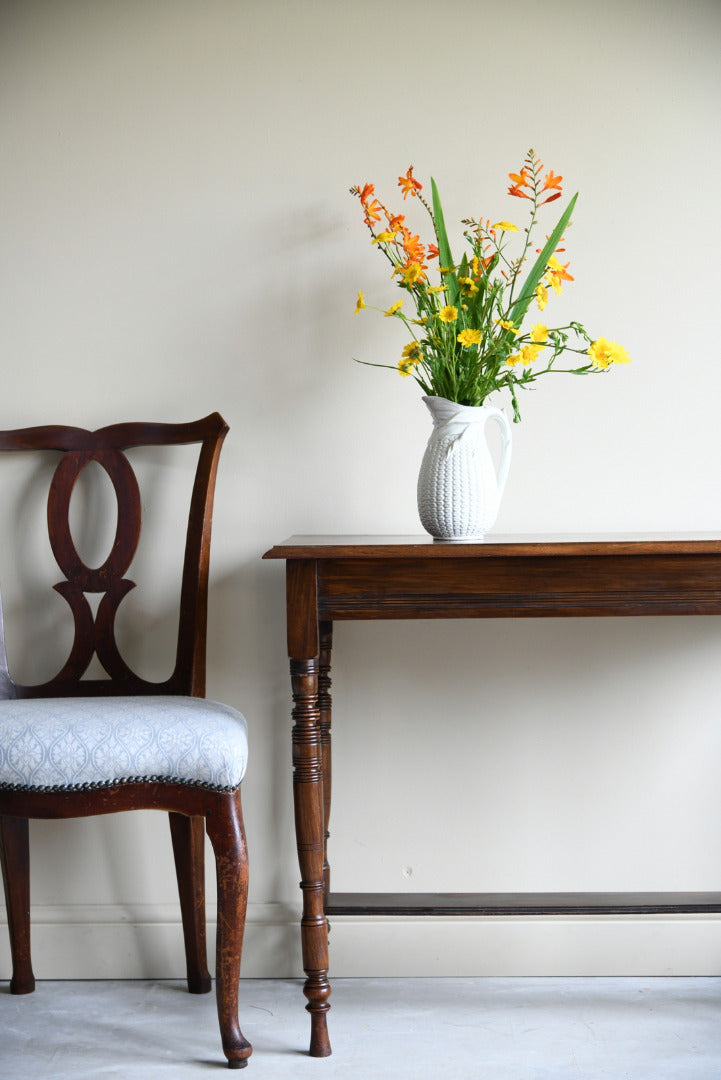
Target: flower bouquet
[{"x": 468, "y": 331}]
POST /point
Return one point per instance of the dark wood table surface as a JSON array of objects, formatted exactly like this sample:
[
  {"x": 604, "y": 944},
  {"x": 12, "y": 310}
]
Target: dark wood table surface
[{"x": 330, "y": 578}]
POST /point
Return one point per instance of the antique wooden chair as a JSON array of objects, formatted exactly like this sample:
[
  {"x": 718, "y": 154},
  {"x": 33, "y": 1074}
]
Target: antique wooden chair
[{"x": 75, "y": 746}]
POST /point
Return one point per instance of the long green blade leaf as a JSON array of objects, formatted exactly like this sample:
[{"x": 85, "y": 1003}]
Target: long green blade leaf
[
  {"x": 444, "y": 248},
  {"x": 519, "y": 308}
]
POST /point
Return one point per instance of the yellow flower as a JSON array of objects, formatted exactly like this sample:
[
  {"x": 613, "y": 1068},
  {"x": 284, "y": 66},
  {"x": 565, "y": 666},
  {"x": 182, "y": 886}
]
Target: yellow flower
[
  {"x": 539, "y": 332},
  {"x": 412, "y": 355},
  {"x": 506, "y": 324},
  {"x": 383, "y": 237},
  {"x": 506, "y": 226},
  {"x": 513, "y": 360},
  {"x": 468, "y": 286},
  {"x": 529, "y": 353},
  {"x": 436, "y": 289},
  {"x": 448, "y": 314},
  {"x": 603, "y": 353},
  {"x": 470, "y": 337},
  {"x": 412, "y": 273},
  {"x": 394, "y": 308},
  {"x": 361, "y": 303},
  {"x": 541, "y": 296},
  {"x": 555, "y": 274}
]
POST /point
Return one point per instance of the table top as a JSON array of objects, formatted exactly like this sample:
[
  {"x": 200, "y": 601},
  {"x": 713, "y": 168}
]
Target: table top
[{"x": 522, "y": 544}]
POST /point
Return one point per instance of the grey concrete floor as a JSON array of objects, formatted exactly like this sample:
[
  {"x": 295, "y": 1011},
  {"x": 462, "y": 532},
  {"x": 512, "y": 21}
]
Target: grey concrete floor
[{"x": 460, "y": 1029}]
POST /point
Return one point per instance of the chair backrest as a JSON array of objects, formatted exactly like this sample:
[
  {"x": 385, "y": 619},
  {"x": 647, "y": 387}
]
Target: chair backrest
[{"x": 95, "y": 634}]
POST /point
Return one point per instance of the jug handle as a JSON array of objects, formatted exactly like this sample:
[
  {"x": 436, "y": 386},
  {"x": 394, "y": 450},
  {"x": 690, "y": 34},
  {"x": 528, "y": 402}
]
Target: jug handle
[{"x": 505, "y": 463}]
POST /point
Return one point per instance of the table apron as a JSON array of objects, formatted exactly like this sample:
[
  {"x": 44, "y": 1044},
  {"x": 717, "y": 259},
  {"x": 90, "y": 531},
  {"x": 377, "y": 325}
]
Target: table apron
[{"x": 499, "y": 587}]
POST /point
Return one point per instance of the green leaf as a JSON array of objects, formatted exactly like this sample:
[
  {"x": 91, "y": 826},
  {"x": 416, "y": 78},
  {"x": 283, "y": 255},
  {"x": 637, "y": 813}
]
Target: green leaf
[
  {"x": 520, "y": 306},
  {"x": 444, "y": 248}
]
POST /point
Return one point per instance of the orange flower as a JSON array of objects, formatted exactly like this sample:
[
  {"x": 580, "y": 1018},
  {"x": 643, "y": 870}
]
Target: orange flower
[
  {"x": 408, "y": 184},
  {"x": 395, "y": 222},
  {"x": 365, "y": 192},
  {"x": 371, "y": 205},
  {"x": 433, "y": 252},
  {"x": 516, "y": 190},
  {"x": 413, "y": 247},
  {"x": 373, "y": 212},
  {"x": 520, "y": 181},
  {"x": 552, "y": 181}
]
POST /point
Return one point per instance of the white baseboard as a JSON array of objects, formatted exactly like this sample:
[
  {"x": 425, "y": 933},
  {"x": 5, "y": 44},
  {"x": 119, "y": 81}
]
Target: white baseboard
[{"x": 145, "y": 941}]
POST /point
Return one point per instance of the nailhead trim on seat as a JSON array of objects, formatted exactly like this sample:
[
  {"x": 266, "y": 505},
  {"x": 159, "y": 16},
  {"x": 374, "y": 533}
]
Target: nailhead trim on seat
[{"x": 91, "y": 786}]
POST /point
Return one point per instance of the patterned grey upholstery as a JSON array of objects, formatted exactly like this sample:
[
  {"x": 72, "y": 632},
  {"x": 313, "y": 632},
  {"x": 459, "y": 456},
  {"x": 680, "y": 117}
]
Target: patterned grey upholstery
[{"x": 56, "y": 744}]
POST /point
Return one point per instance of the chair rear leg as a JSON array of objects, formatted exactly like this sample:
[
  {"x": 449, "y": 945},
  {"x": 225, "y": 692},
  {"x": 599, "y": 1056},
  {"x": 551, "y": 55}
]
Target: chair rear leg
[
  {"x": 225, "y": 829},
  {"x": 15, "y": 859},
  {"x": 188, "y": 835}
]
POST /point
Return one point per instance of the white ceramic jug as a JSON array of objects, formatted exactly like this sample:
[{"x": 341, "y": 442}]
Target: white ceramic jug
[{"x": 459, "y": 488}]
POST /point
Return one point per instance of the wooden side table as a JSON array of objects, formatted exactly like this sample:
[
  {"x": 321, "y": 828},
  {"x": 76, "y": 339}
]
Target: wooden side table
[{"x": 331, "y": 578}]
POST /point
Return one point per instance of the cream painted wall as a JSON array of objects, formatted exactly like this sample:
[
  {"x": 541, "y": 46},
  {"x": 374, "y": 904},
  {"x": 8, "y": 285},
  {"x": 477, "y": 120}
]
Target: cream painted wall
[{"x": 177, "y": 236}]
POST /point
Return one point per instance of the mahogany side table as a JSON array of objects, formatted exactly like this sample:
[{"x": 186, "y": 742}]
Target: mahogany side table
[{"x": 331, "y": 578}]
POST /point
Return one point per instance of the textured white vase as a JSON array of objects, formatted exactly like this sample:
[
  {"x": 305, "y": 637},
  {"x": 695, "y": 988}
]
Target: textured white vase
[{"x": 459, "y": 485}]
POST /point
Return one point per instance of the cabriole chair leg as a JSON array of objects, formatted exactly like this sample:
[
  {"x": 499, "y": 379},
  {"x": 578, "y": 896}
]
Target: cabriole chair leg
[{"x": 225, "y": 829}]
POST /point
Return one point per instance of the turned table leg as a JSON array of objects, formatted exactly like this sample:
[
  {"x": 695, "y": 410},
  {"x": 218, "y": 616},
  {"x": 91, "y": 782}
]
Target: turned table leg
[{"x": 310, "y": 830}]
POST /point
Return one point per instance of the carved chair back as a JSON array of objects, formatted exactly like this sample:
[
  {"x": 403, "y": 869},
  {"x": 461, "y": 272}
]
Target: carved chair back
[{"x": 94, "y": 634}]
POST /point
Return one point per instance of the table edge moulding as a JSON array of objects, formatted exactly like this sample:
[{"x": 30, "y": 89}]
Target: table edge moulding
[{"x": 332, "y": 578}]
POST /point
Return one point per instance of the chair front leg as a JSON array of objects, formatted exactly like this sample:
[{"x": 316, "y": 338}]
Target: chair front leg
[
  {"x": 15, "y": 859},
  {"x": 188, "y": 835},
  {"x": 225, "y": 829}
]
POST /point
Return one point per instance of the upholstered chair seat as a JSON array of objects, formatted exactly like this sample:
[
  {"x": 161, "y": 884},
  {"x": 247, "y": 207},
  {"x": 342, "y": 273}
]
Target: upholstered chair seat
[{"x": 64, "y": 744}]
